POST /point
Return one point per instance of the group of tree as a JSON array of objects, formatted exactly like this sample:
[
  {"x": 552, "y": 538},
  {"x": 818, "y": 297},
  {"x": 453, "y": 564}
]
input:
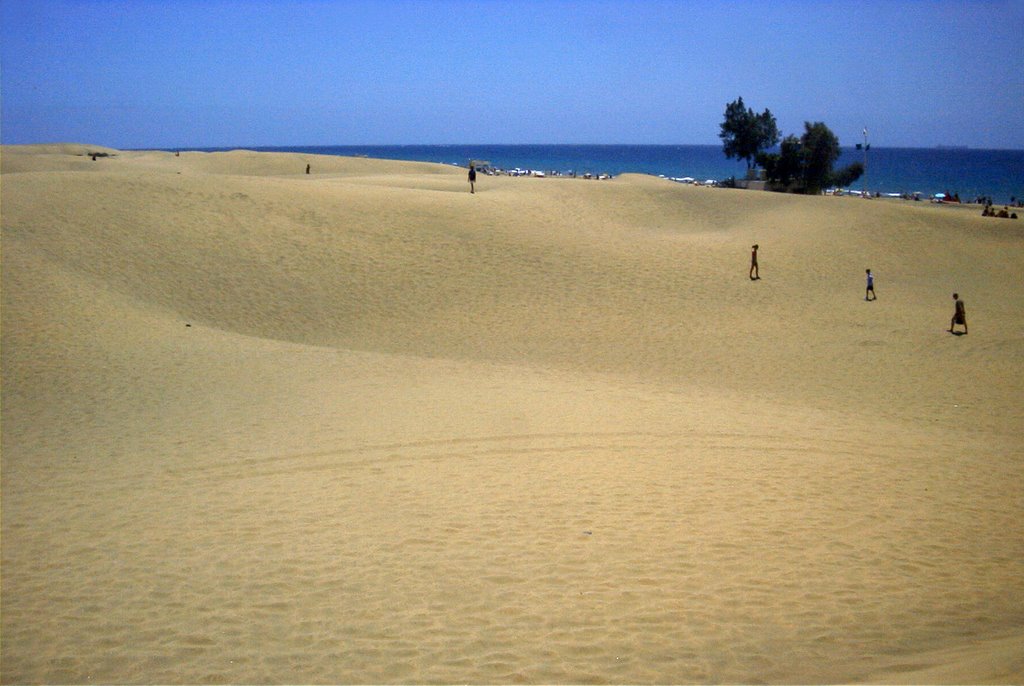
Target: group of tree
[{"x": 802, "y": 165}]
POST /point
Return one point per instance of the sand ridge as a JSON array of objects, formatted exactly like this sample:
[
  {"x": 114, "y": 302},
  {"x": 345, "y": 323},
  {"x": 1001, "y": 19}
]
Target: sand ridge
[{"x": 362, "y": 426}]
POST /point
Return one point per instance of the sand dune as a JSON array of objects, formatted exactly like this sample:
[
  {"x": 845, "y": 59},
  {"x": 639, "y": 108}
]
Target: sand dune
[{"x": 362, "y": 426}]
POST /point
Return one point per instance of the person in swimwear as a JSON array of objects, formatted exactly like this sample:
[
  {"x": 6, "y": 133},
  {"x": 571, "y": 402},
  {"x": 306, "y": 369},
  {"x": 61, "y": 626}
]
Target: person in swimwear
[{"x": 959, "y": 314}]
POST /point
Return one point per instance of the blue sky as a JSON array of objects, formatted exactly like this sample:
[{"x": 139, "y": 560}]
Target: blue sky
[{"x": 148, "y": 73}]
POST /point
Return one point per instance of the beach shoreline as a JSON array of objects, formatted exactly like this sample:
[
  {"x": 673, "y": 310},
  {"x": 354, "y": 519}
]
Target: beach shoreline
[{"x": 970, "y": 172}]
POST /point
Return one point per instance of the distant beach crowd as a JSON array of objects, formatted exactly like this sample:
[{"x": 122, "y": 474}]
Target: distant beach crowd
[
  {"x": 945, "y": 198},
  {"x": 487, "y": 169}
]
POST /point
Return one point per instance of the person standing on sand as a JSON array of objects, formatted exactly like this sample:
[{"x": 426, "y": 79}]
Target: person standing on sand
[
  {"x": 754, "y": 275},
  {"x": 959, "y": 314},
  {"x": 871, "y": 287},
  {"x": 472, "y": 177}
]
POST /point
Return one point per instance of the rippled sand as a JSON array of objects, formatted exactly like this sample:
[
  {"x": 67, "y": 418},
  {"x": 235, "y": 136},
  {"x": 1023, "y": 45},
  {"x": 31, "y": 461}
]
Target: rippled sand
[{"x": 361, "y": 426}]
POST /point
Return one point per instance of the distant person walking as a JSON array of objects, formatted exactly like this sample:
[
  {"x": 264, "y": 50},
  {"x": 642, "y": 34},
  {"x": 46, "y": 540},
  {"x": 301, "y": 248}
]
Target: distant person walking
[
  {"x": 472, "y": 177},
  {"x": 870, "y": 291},
  {"x": 754, "y": 274},
  {"x": 959, "y": 314},
  {"x": 307, "y": 168}
]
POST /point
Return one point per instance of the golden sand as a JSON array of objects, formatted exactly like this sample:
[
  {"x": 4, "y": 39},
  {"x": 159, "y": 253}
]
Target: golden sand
[{"x": 361, "y": 426}]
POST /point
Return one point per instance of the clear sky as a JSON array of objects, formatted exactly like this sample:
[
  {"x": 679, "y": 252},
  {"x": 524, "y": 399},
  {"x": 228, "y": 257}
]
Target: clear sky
[{"x": 151, "y": 73}]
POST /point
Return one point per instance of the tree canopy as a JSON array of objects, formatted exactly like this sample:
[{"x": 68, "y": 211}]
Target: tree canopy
[
  {"x": 820, "y": 151},
  {"x": 785, "y": 167},
  {"x": 805, "y": 164},
  {"x": 745, "y": 133},
  {"x": 847, "y": 175}
]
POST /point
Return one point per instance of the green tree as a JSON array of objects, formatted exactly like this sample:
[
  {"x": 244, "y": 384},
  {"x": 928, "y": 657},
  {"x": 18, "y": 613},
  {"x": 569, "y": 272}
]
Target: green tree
[
  {"x": 786, "y": 166},
  {"x": 845, "y": 177},
  {"x": 804, "y": 165},
  {"x": 745, "y": 133},
  {"x": 819, "y": 150}
]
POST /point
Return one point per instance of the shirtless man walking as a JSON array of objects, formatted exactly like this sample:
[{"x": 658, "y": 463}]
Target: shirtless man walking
[{"x": 959, "y": 314}]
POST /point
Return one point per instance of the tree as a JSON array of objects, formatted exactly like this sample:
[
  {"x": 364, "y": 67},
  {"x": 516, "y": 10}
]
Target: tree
[
  {"x": 804, "y": 165},
  {"x": 744, "y": 133},
  {"x": 785, "y": 166},
  {"x": 819, "y": 150},
  {"x": 847, "y": 175}
]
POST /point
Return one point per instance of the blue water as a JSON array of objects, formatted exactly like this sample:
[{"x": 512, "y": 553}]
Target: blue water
[{"x": 998, "y": 174}]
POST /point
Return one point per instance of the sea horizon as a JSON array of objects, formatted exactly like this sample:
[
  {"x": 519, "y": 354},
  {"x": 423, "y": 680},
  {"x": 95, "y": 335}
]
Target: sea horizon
[{"x": 970, "y": 173}]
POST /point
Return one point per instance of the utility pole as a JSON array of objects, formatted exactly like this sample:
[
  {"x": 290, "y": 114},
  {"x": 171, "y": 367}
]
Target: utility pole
[{"x": 866, "y": 146}]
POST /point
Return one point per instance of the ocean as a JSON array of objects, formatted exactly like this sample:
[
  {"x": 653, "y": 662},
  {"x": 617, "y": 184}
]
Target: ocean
[{"x": 970, "y": 173}]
